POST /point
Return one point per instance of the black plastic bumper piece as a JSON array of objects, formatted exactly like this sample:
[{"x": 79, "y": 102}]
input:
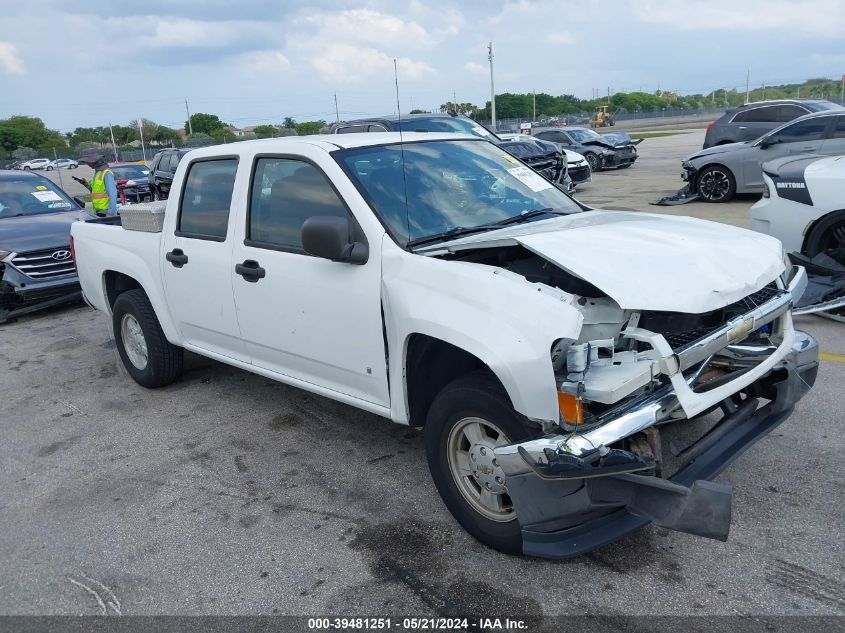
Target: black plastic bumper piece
[{"x": 607, "y": 528}]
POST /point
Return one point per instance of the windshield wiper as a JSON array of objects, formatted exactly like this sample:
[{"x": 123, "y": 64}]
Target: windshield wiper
[
  {"x": 464, "y": 230},
  {"x": 525, "y": 215},
  {"x": 451, "y": 233}
]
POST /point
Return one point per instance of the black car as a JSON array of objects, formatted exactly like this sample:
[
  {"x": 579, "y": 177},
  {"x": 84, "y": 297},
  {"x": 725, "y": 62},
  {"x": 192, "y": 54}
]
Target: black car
[
  {"x": 36, "y": 265},
  {"x": 750, "y": 121},
  {"x": 162, "y": 170},
  {"x": 544, "y": 158},
  {"x": 134, "y": 179},
  {"x": 600, "y": 152}
]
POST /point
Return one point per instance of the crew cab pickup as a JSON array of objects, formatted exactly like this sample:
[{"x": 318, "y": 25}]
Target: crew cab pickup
[{"x": 577, "y": 373}]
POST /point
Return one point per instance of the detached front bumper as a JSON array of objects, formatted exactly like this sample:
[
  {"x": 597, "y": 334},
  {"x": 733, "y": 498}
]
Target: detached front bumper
[{"x": 573, "y": 493}]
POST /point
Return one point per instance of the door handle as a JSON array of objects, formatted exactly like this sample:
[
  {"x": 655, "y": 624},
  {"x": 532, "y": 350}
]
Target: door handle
[
  {"x": 177, "y": 257},
  {"x": 250, "y": 270}
]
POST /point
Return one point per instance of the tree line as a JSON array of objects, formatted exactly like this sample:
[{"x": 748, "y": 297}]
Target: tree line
[{"x": 524, "y": 105}]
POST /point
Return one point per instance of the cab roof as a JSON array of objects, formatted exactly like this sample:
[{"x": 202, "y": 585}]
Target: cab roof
[{"x": 331, "y": 142}]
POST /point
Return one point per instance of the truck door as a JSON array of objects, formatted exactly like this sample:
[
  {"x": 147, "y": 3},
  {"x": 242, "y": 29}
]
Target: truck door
[
  {"x": 307, "y": 318},
  {"x": 197, "y": 259}
]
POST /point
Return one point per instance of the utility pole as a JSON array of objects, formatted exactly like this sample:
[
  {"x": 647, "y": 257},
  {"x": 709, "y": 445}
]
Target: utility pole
[
  {"x": 190, "y": 124},
  {"x": 534, "y": 107},
  {"x": 336, "y": 111},
  {"x": 608, "y": 95},
  {"x": 747, "y": 91},
  {"x": 141, "y": 132},
  {"x": 492, "y": 88},
  {"x": 842, "y": 91},
  {"x": 764, "y": 92},
  {"x": 113, "y": 144}
]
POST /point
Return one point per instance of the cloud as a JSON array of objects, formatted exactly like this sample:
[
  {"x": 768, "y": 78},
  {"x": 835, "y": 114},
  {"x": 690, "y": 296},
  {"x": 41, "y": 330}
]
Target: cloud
[
  {"x": 817, "y": 18},
  {"x": 368, "y": 26},
  {"x": 347, "y": 63},
  {"x": 10, "y": 61},
  {"x": 476, "y": 68},
  {"x": 269, "y": 61}
]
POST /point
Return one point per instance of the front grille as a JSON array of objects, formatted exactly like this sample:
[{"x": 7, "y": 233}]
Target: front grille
[
  {"x": 754, "y": 300},
  {"x": 45, "y": 264},
  {"x": 682, "y": 330}
]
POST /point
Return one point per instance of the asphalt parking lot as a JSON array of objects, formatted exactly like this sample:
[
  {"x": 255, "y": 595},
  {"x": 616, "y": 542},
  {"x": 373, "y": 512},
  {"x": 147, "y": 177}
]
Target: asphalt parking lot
[{"x": 227, "y": 493}]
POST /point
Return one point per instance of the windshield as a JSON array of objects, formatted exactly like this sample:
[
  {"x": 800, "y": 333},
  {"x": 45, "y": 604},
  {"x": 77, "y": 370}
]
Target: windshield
[
  {"x": 450, "y": 185},
  {"x": 583, "y": 134},
  {"x": 443, "y": 124},
  {"x": 32, "y": 196},
  {"x": 126, "y": 172}
]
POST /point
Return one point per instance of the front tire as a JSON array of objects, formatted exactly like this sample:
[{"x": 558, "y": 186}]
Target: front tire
[
  {"x": 467, "y": 419},
  {"x": 716, "y": 183},
  {"x": 828, "y": 237},
  {"x": 148, "y": 356}
]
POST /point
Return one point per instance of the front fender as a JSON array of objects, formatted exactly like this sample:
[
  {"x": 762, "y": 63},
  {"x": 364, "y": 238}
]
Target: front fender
[{"x": 500, "y": 318}]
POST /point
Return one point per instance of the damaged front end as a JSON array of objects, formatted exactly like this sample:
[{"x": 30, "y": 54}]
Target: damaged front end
[{"x": 648, "y": 416}]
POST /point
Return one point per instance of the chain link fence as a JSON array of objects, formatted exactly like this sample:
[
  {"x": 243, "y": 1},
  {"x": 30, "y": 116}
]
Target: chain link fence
[{"x": 584, "y": 118}]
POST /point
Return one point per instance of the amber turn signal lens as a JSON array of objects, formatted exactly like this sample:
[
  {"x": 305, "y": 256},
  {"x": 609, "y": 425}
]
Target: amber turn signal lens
[{"x": 571, "y": 408}]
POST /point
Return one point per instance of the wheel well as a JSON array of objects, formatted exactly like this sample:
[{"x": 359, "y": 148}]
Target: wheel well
[
  {"x": 430, "y": 365},
  {"x": 811, "y": 227},
  {"x": 117, "y": 283}
]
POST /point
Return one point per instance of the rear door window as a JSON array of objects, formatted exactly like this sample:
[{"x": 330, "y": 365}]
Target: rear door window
[
  {"x": 788, "y": 112},
  {"x": 206, "y": 199},
  {"x": 766, "y": 114}
]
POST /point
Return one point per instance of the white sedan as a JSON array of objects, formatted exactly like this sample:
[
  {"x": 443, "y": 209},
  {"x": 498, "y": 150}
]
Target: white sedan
[
  {"x": 803, "y": 205},
  {"x": 62, "y": 163}
]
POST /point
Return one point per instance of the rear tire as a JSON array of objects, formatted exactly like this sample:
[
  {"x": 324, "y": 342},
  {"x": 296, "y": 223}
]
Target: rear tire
[
  {"x": 715, "y": 183},
  {"x": 475, "y": 406},
  {"x": 594, "y": 161},
  {"x": 148, "y": 356}
]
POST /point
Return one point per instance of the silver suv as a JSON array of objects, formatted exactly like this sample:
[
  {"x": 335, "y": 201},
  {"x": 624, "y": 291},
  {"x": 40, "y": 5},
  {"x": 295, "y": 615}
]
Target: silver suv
[{"x": 750, "y": 121}]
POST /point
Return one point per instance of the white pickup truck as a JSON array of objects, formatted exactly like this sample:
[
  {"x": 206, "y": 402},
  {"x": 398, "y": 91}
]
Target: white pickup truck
[{"x": 577, "y": 373}]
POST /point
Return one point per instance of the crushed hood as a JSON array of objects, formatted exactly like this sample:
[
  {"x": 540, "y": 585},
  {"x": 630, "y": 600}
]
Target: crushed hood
[{"x": 645, "y": 261}]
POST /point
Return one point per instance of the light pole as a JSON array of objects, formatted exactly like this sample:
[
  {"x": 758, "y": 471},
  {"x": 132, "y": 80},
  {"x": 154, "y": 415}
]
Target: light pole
[{"x": 492, "y": 88}]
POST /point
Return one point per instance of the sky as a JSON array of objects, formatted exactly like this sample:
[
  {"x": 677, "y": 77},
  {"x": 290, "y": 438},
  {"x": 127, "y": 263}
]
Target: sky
[{"x": 79, "y": 64}]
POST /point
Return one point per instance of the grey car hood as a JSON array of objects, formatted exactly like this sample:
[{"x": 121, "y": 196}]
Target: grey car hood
[
  {"x": 720, "y": 149},
  {"x": 645, "y": 261},
  {"x": 34, "y": 232}
]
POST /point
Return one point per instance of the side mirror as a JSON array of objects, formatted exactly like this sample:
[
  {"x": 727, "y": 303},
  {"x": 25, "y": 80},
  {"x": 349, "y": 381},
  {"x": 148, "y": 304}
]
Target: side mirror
[
  {"x": 330, "y": 237},
  {"x": 764, "y": 144},
  {"x": 80, "y": 201}
]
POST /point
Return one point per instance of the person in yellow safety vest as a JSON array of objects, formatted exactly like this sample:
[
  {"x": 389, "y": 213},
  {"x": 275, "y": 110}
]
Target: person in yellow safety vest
[{"x": 102, "y": 186}]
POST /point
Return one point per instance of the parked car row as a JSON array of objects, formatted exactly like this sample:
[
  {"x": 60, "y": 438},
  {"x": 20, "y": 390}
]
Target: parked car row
[
  {"x": 718, "y": 173},
  {"x": 42, "y": 163}
]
